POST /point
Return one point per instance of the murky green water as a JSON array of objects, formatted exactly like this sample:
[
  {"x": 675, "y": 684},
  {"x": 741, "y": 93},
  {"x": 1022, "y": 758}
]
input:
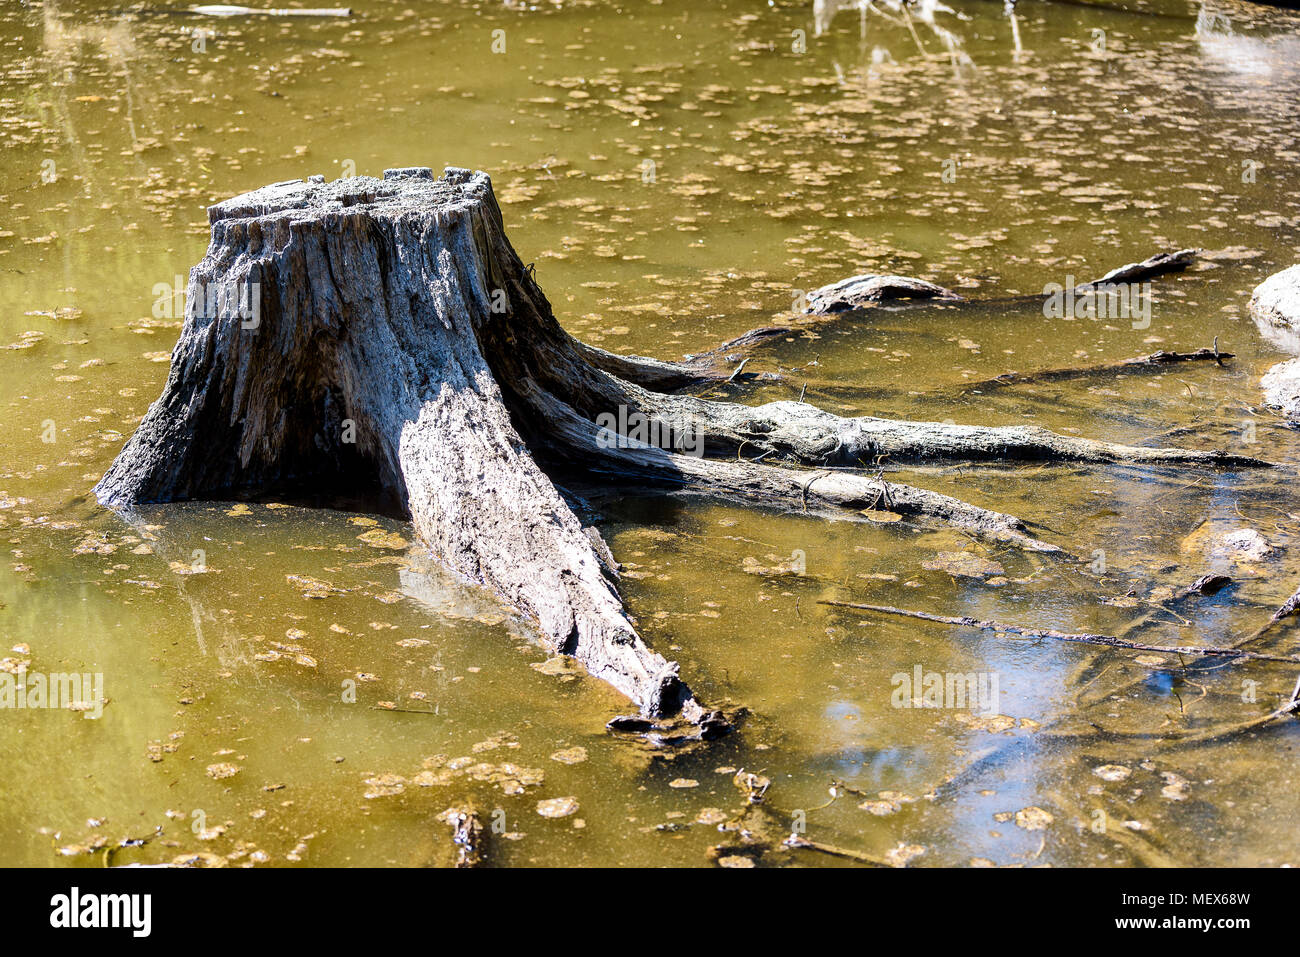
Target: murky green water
[{"x": 358, "y": 695}]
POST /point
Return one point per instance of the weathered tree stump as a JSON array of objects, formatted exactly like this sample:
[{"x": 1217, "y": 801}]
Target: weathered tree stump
[
  {"x": 386, "y": 313},
  {"x": 383, "y": 339}
]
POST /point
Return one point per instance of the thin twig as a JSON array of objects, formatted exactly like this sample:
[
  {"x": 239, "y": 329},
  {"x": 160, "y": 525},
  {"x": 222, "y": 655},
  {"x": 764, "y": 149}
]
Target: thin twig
[{"x": 1108, "y": 640}]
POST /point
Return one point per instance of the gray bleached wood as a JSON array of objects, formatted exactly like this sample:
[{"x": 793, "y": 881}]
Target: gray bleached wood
[{"x": 392, "y": 343}]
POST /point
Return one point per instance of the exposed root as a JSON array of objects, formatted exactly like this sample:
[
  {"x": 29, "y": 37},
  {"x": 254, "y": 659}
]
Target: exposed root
[
  {"x": 831, "y": 489},
  {"x": 798, "y": 432}
]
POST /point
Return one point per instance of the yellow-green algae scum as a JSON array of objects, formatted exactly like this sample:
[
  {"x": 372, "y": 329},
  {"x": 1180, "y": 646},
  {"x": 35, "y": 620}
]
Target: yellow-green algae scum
[{"x": 289, "y": 686}]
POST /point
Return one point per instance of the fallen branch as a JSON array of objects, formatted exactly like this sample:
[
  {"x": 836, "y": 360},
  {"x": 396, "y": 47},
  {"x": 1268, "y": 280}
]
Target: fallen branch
[
  {"x": 1155, "y": 362},
  {"x": 1158, "y": 739},
  {"x": 840, "y": 298},
  {"x": 1215, "y": 735},
  {"x": 799, "y": 843},
  {"x": 1094, "y": 734},
  {"x": 1109, "y": 641}
]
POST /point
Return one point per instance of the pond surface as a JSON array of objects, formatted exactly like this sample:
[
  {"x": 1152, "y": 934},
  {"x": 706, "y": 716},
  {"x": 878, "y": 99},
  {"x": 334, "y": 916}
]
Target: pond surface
[{"x": 289, "y": 685}]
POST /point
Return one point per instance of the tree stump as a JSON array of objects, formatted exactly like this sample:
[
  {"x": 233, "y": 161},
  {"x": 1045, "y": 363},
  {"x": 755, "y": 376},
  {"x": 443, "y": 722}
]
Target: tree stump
[
  {"x": 360, "y": 332},
  {"x": 382, "y": 339}
]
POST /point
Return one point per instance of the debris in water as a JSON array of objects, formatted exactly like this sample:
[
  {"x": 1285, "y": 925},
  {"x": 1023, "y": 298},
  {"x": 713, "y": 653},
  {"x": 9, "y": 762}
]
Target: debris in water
[
  {"x": 1033, "y": 818},
  {"x": 574, "y": 755},
  {"x": 384, "y": 785},
  {"x": 557, "y": 807},
  {"x": 903, "y": 854},
  {"x": 964, "y": 565},
  {"x": 1112, "y": 772}
]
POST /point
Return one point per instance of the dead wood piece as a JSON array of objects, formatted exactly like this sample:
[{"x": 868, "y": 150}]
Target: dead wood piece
[
  {"x": 1288, "y": 607},
  {"x": 1155, "y": 362},
  {"x": 1205, "y": 585},
  {"x": 859, "y": 291},
  {"x": 466, "y": 834},
  {"x": 798, "y": 842},
  {"x": 1149, "y": 268},
  {"x": 1110, "y": 641}
]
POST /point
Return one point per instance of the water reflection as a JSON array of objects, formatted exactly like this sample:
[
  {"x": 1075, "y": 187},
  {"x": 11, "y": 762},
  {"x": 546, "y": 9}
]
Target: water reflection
[
  {"x": 1254, "y": 46},
  {"x": 890, "y": 19}
]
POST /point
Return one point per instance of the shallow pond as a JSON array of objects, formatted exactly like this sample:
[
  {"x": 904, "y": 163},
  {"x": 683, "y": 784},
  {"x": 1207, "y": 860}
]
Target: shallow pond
[{"x": 294, "y": 685}]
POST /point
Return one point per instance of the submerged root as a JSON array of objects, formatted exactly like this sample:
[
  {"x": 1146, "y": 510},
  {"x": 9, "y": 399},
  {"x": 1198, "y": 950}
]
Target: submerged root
[{"x": 802, "y": 490}]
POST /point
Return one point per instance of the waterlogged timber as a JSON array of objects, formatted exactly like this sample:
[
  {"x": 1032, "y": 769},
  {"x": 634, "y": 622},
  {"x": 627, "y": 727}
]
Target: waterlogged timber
[
  {"x": 408, "y": 357},
  {"x": 287, "y": 684}
]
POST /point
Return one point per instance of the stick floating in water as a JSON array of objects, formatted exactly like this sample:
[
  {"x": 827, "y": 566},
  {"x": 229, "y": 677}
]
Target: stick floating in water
[{"x": 224, "y": 10}]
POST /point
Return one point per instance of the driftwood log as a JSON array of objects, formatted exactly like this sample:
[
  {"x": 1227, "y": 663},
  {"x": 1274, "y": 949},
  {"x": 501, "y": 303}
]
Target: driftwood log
[{"x": 382, "y": 338}]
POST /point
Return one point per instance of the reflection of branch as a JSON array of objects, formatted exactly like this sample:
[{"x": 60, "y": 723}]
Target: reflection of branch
[
  {"x": 912, "y": 29},
  {"x": 225, "y": 10}
]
